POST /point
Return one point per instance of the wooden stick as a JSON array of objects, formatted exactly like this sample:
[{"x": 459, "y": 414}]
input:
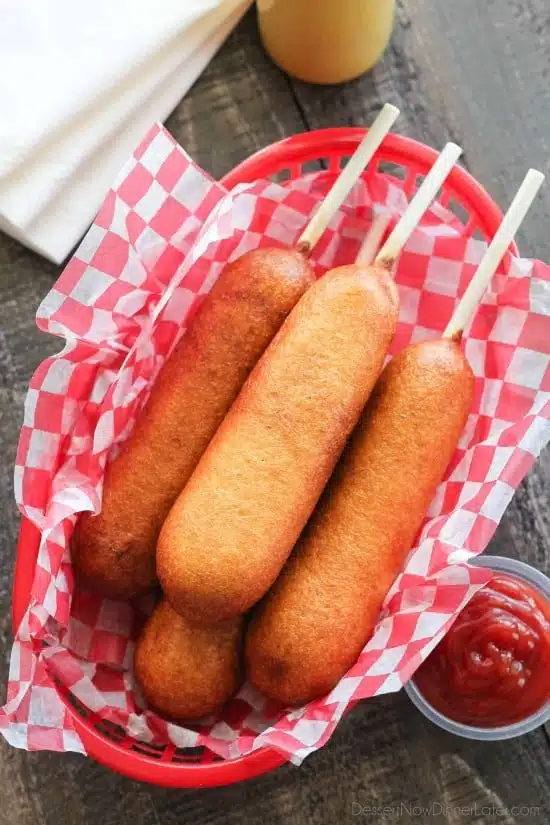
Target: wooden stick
[
  {"x": 495, "y": 252},
  {"x": 373, "y": 238},
  {"x": 348, "y": 177},
  {"x": 420, "y": 203}
]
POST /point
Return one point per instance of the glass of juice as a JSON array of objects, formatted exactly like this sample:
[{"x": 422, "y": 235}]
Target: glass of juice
[{"x": 325, "y": 41}]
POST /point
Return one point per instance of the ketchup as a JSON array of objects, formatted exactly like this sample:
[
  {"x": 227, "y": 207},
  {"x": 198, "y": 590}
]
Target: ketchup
[{"x": 493, "y": 666}]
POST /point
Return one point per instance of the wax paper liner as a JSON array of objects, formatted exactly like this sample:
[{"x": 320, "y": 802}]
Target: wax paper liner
[{"x": 158, "y": 244}]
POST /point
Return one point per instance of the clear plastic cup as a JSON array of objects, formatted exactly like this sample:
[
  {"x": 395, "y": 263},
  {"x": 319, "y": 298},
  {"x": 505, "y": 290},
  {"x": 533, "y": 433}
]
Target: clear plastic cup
[{"x": 541, "y": 583}]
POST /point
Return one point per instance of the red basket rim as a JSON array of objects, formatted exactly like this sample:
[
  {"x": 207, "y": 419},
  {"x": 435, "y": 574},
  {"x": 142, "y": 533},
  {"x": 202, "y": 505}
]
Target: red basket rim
[
  {"x": 289, "y": 153},
  {"x": 342, "y": 141}
]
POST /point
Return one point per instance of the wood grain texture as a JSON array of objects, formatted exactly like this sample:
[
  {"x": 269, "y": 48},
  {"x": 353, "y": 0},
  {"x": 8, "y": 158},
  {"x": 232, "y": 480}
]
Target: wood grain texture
[
  {"x": 477, "y": 73},
  {"x": 241, "y": 103}
]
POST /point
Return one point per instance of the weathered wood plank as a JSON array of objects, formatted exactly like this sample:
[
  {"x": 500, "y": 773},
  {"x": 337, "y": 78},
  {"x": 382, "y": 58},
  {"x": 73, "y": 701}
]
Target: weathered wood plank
[{"x": 240, "y": 104}]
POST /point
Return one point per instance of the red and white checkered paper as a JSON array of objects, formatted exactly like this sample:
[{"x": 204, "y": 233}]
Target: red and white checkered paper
[{"x": 158, "y": 244}]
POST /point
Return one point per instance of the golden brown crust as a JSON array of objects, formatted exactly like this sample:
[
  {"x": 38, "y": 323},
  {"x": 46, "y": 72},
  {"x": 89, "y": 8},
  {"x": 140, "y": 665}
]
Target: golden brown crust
[
  {"x": 114, "y": 551},
  {"x": 232, "y": 528},
  {"x": 187, "y": 670},
  {"x": 321, "y": 611}
]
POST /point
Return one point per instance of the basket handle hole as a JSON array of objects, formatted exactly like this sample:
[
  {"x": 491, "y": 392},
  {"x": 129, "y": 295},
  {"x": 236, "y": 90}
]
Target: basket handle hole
[
  {"x": 283, "y": 175},
  {"x": 111, "y": 731},
  {"x": 458, "y": 209},
  {"x": 479, "y": 235},
  {"x": 196, "y": 755},
  {"x": 312, "y": 166},
  {"x": 147, "y": 750},
  {"x": 394, "y": 170}
]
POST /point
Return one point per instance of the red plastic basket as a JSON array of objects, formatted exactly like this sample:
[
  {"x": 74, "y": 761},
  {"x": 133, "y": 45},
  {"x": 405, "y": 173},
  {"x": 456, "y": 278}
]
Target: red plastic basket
[{"x": 168, "y": 765}]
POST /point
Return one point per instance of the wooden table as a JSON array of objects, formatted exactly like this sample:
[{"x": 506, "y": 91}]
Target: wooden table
[{"x": 470, "y": 71}]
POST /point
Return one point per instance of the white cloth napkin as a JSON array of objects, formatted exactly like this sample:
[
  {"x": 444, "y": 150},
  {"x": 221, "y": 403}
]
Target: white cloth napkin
[{"x": 66, "y": 140}]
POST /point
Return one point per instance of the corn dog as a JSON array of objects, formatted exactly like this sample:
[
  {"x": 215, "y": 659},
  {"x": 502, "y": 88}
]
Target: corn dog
[
  {"x": 236, "y": 521},
  {"x": 186, "y": 670}
]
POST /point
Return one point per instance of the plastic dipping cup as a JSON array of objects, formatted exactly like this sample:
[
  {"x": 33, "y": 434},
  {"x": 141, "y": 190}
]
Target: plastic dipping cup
[{"x": 539, "y": 582}]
